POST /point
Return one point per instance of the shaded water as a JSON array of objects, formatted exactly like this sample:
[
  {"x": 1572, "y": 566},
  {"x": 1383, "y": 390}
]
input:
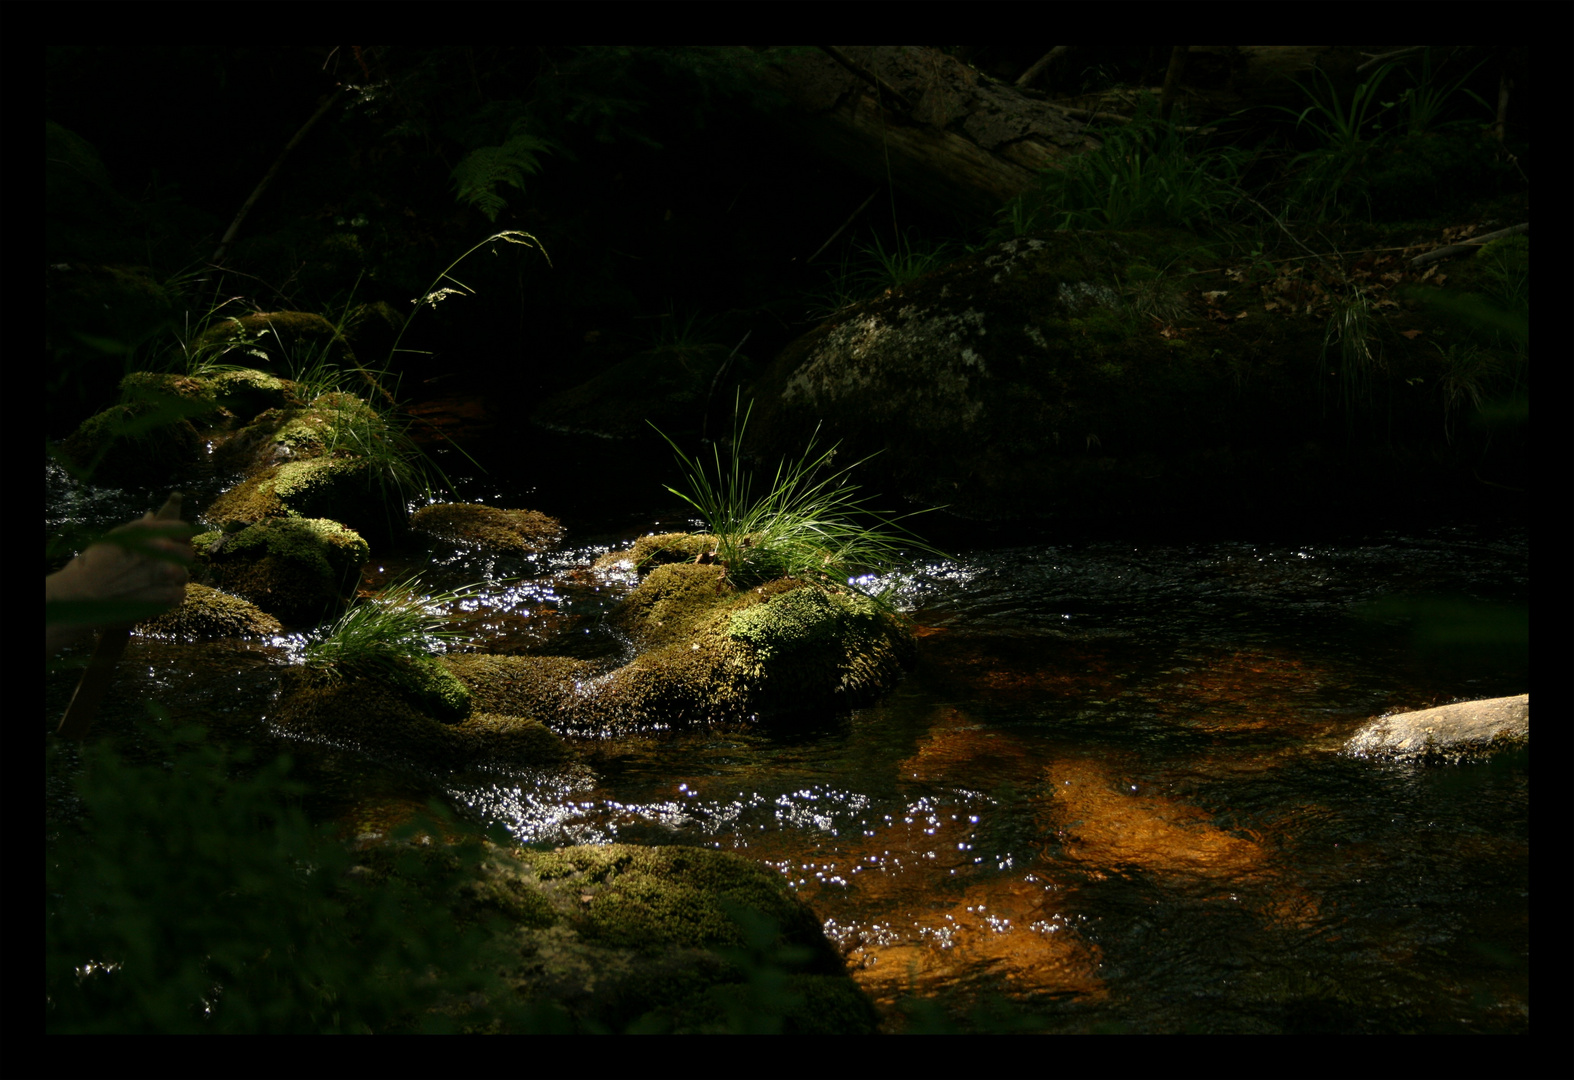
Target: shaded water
[{"x": 1109, "y": 798}]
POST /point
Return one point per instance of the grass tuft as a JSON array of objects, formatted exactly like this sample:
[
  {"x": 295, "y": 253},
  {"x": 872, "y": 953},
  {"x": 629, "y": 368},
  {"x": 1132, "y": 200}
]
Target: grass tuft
[
  {"x": 809, "y": 524},
  {"x": 404, "y": 623}
]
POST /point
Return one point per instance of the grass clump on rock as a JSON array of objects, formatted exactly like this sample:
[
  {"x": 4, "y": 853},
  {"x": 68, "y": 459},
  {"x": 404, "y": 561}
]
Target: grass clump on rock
[
  {"x": 808, "y": 524},
  {"x": 394, "y": 637}
]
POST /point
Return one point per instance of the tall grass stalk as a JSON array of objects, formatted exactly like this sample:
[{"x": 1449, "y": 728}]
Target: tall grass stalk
[{"x": 808, "y": 523}]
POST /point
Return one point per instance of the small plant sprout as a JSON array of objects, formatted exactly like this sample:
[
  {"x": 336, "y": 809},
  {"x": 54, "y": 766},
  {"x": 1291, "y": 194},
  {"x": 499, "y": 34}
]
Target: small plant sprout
[{"x": 808, "y": 524}]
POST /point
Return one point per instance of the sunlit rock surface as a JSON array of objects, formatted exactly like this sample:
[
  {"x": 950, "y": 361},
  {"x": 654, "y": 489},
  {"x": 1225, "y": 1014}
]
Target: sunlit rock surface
[
  {"x": 491, "y": 528},
  {"x": 208, "y": 613},
  {"x": 1461, "y": 729}
]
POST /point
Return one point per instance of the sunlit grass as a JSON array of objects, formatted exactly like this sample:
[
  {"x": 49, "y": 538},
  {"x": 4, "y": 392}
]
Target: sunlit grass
[
  {"x": 809, "y": 523},
  {"x": 403, "y": 623}
]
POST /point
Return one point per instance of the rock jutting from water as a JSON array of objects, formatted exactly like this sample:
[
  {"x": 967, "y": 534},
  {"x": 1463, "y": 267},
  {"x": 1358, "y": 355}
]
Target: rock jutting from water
[{"x": 1450, "y": 732}]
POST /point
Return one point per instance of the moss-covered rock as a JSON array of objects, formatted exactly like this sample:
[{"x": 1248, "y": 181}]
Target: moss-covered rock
[
  {"x": 706, "y": 654},
  {"x": 402, "y": 714},
  {"x": 345, "y": 487},
  {"x": 300, "y": 570},
  {"x": 248, "y": 392},
  {"x": 668, "y": 939},
  {"x": 207, "y": 614},
  {"x": 543, "y": 686},
  {"x": 660, "y": 548},
  {"x": 158, "y": 428},
  {"x": 507, "y": 532}
]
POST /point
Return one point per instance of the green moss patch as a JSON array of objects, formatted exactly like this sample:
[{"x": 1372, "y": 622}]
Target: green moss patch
[
  {"x": 207, "y": 614},
  {"x": 509, "y": 532},
  {"x": 298, "y": 569}
]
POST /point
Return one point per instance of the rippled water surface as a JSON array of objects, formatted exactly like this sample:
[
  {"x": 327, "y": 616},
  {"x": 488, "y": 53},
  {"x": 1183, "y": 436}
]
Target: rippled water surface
[{"x": 1110, "y": 797}]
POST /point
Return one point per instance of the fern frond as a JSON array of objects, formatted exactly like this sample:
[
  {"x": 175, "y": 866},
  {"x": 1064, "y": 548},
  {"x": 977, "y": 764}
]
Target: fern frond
[{"x": 482, "y": 171}]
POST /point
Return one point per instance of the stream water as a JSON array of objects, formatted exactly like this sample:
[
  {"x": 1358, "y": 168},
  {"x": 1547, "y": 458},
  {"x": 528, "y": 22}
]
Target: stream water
[{"x": 1110, "y": 797}]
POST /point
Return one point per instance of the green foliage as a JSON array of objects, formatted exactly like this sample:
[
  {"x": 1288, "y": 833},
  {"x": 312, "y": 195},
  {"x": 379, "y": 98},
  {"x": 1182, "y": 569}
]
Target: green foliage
[
  {"x": 1145, "y": 173},
  {"x": 191, "y": 894},
  {"x": 1354, "y": 374},
  {"x": 874, "y": 269},
  {"x": 808, "y": 524},
  {"x": 482, "y": 171},
  {"x": 404, "y": 623},
  {"x": 1380, "y": 153},
  {"x": 1426, "y": 101}
]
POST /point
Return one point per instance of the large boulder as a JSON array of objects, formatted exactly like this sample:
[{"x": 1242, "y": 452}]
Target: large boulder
[
  {"x": 300, "y": 570},
  {"x": 1448, "y": 732},
  {"x": 669, "y": 939},
  {"x": 1093, "y": 372}
]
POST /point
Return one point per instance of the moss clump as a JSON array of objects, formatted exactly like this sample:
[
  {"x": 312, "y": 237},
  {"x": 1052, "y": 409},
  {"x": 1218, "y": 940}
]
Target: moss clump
[
  {"x": 685, "y": 940},
  {"x": 316, "y": 487},
  {"x": 508, "y": 532},
  {"x": 801, "y": 619},
  {"x": 395, "y": 716},
  {"x": 430, "y": 686},
  {"x": 139, "y": 443},
  {"x": 542, "y": 686},
  {"x": 712, "y": 654},
  {"x": 249, "y": 392},
  {"x": 207, "y": 614},
  {"x": 297, "y": 569}
]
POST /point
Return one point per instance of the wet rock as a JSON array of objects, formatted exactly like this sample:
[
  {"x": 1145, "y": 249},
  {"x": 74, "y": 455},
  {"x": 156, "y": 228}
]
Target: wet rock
[
  {"x": 1079, "y": 373},
  {"x": 422, "y": 716},
  {"x": 491, "y": 528},
  {"x": 675, "y": 939},
  {"x": 207, "y": 614},
  {"x": 1448, "y": 732},
  {"x": 300, "y": 570}
]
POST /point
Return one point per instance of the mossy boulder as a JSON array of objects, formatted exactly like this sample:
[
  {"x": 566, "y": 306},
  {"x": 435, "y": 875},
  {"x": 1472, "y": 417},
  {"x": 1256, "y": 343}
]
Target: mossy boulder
[
  {"x": 669, "y": 939},
  {"x": 712, "y": 654},
  {"x": 491, "y": 528},
  {"x": 545, "y": 686},
  {"x": 300, "y": 570},
  {"x": 421, "y": 713},
  {"x": 1130, "y": 372},
  {"x": 706, "y": 654},
  {"x": 248, "y": 392},
  {"x": 208, "y": 613},
  {"x": 158, "y": 428},
  {"x": 660, "y": 548},
  {"x": 345, "y": 487}
]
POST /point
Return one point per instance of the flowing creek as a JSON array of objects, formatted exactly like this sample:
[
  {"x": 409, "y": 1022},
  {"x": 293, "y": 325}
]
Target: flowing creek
[{"x": 1109, "y": 798}]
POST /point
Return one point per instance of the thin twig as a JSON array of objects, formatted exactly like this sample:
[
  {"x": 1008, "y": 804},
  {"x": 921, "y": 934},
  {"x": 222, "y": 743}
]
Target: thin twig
[
  {"x": 1469, "y": 245},
  {"x": 256, "y": 194},
  {"x": 862, "y": 207}
]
